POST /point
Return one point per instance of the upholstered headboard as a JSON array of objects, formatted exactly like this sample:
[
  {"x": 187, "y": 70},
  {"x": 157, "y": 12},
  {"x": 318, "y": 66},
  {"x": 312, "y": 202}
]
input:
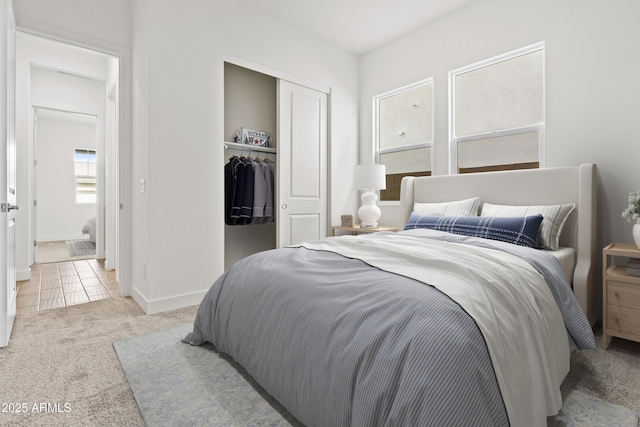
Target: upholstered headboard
[{"x": 548, "y": 186}]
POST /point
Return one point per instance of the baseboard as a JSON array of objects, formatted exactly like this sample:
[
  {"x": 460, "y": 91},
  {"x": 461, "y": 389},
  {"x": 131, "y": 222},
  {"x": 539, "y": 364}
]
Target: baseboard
[
  {"x": 166, "y": 304},
  {"x": 23, "y": 275},
  {"x": 139, "y": 299}
]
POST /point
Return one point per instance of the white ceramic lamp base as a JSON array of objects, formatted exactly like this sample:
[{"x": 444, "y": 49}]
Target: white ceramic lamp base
[{"x": 369, "y": 212}]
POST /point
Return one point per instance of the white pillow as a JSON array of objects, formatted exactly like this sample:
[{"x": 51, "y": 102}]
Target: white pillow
[
  {"x": 468, "y": 207},
  {"x": 554, "y": 217}
]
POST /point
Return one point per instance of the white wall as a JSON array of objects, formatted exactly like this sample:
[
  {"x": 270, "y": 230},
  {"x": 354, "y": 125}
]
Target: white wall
[
  {"x": 59, "y": 217},
  {"x": 592, "y": 86},
  {"x": 178, "y": 49},
  {"x": 140, "y": 149}
]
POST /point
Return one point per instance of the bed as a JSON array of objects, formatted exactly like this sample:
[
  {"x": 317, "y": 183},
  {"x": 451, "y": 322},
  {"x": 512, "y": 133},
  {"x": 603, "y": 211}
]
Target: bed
[{"x": 423, "y": 326}]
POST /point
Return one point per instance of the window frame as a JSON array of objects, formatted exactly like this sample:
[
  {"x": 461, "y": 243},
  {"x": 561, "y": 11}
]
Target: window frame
[
  {"x": 537, "y": 127},
  {"x": 376, "y": 127},
  {"x": 75, "y": 176}
]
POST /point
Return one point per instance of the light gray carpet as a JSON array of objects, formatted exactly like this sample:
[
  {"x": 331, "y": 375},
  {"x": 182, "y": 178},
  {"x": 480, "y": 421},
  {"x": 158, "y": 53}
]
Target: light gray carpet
[
  {"x": 81, "y": 248},
  {"x": 177, "y": 384},
  {"x": 65, "y": 355}
]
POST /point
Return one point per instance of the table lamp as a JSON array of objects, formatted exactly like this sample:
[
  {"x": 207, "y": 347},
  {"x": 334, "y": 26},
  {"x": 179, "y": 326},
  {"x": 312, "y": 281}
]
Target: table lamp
[{"x": 369, "y": 178}]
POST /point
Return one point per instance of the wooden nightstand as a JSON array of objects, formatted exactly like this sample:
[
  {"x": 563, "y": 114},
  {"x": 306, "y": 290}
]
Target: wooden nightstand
[
  {"x": 356, "y": 229},
  {"x": 620, "y": 294}
]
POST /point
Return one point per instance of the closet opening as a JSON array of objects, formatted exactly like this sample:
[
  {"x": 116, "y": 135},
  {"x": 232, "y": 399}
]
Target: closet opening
[
  {"x": 250, "y": 102},
  {"x": 294, "y": 113}
]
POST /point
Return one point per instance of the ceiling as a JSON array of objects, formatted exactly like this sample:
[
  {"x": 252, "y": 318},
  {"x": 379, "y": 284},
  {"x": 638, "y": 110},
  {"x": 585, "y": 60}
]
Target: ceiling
[{"x": 357, "y": 26}]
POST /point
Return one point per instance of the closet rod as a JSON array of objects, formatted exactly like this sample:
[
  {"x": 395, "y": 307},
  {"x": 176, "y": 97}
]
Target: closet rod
[{"x": 236, "y": 146}]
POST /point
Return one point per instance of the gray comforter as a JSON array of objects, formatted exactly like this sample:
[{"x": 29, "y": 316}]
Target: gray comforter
[{"x": 341, "y": 343}]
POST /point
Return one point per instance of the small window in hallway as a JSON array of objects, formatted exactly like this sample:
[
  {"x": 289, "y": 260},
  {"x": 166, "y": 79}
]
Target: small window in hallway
[{"x": 85, "y": 175}]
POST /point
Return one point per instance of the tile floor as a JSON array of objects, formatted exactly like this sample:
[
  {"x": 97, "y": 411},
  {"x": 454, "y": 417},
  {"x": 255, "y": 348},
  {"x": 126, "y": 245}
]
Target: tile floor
[{"x": 65, "y": 283}]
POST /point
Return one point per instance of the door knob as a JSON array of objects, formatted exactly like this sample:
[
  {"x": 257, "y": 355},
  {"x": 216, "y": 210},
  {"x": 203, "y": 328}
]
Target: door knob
[{"x": 6, "y": 207}]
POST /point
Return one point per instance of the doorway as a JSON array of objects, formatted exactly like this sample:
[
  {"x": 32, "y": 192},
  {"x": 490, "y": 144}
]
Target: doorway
[
  {"x": 75, "y": 85},
  {"x": 65, "y": 185}
]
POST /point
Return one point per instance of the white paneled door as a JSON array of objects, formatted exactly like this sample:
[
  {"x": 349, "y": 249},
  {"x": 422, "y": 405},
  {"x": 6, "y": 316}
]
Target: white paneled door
[
  {"x": 302, "y": 164},
  {"x": 7, "y": 173}
]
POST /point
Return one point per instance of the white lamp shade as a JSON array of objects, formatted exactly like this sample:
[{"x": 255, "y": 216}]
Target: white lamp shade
[{"x": 369, "y": 177}]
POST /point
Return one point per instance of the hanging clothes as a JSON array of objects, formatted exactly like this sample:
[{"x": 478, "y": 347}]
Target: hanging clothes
[
  {"x": 269, "y": 171},
  {"x": 229, "y": 189},
  {"x": 248, "y": 191},
  {"x": 237, "y": 188},
  {"x": 246, "y": 207},
  {"x": 259, "y": 193}
]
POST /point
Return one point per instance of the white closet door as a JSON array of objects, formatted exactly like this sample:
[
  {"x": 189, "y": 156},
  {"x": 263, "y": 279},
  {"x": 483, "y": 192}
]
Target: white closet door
[{"x": 302, "y": 164}]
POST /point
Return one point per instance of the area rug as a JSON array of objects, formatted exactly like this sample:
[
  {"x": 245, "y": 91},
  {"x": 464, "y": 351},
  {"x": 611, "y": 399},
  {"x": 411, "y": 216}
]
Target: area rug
[
  {"x": 81, "y": 247},
  {"x": 178, "y": 384}
]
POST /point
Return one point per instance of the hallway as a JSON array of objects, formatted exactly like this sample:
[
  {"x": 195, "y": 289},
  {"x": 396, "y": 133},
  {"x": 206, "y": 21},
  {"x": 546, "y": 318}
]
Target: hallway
[{"x": 67, "y": 283}]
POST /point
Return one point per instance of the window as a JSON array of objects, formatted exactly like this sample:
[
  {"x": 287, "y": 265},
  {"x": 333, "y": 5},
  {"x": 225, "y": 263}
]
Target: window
[
  {"x": 404, "y": 134},
  {"x": 497, "y": 113},
  {"x": 85, "y": 175}
]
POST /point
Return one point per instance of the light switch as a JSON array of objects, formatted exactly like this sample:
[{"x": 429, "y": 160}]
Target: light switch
[{"x": 143, "y": 185}]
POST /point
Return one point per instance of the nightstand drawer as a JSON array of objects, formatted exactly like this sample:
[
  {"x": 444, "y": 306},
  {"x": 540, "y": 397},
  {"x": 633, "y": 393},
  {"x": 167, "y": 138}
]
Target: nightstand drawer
[
  {"x": 623, "y": 319},
  {"x": 623, "y": 294}
]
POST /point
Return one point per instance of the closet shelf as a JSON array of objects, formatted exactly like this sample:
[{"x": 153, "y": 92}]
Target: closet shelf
[{"x": 236, "y": 146}]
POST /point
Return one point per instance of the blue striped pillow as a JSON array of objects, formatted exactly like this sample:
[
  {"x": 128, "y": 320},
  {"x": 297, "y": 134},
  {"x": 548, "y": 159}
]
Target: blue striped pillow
[
  {"x": 554, "y": 216},
  {"x": 517, "y": 230}
]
